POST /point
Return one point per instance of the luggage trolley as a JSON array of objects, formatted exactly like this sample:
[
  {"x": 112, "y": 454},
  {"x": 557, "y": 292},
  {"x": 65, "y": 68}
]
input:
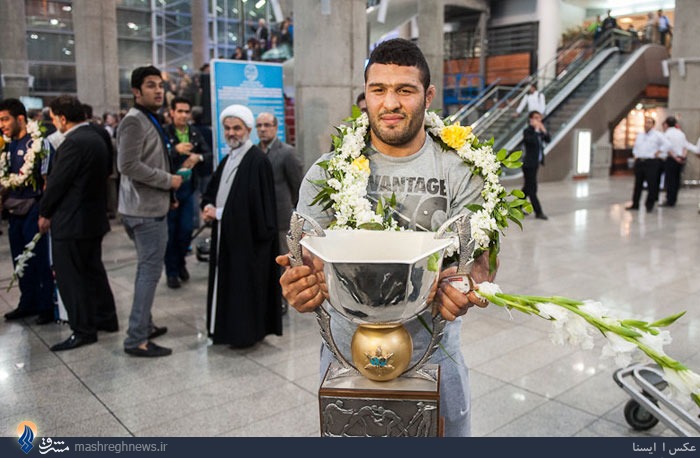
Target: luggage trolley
[{"x": 643, "y": 411}]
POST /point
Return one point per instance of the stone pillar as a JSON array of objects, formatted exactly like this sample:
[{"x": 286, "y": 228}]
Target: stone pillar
[
  {"x": 683, "y": 99},
  {"x": 431, "y": 40},
  {"x": 549, "y": 33},
  {"x": 96, "y": 55},
  {"x": 200, "y": 33},
  {"x": 329, "y": 57},
  {"x": 13, "y": 51}
]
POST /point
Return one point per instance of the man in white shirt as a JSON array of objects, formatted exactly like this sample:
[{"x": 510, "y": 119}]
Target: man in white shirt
[
  {"x": 676, "y": 159},
  {"x": 534, "y": 101},
  {"x": 650, "y": 148}
]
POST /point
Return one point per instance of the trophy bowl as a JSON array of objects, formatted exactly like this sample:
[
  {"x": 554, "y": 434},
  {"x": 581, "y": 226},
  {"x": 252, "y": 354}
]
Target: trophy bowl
[{"x": 379, "y": 277}]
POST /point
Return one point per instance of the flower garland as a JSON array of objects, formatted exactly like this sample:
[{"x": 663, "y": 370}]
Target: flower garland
[
  {"x": 623, "y": 337},
  {"x": 36, "y": 150},
  {"x": 345, "y": 189}
]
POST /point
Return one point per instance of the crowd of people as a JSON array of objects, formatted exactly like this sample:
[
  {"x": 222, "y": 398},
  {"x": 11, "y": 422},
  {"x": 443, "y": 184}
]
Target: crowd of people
[
  {"x": 165, "y": 171},
  {"x": 656, "y": 30},
  {"x": 275, "y": 45},
  {"x": 659, "y": 155}
]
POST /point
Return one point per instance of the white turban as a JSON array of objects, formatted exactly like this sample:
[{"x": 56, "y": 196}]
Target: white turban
[{"x": 238, "y": 111}]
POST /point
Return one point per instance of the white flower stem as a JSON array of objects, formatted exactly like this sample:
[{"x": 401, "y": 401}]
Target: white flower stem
[{"x": 528, "y": 305}]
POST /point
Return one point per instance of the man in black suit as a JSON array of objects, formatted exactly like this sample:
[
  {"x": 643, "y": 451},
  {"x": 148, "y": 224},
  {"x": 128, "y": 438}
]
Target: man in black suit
[
  {"x": 534, "y": 138},
  {"x": 75, "y": 209}
]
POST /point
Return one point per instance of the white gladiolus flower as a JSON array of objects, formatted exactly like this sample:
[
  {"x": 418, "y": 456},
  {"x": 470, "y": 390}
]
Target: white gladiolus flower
[
  {"x": 549, "y": 311},
  {"x": 618, "y": 348},
  {"x": 684, "y": 382},
  {"x": 656, "y": 342},
  {"x": 594, "y": 309},
  {"x": 489, "y": 288}
]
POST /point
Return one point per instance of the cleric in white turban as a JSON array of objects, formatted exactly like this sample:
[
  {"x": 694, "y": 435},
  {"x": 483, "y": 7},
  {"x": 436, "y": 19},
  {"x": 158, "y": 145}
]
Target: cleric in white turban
[
  {"x": 241, "y": 112},
  {"x": 243, "y": 298}
]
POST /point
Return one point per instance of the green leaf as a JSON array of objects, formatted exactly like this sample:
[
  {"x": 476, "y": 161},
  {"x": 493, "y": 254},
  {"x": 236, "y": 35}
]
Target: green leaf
[
  {"x": 474, "y": 207},
  {"x": 434, "y": 261},
  {"x": 516, "y": 220},
  {"x": 356, "y": 112},
  {"x": 518, "y": 193},
  {"x": 667, "y": 321},
  {"x": 501, "y": 155},
  {"x": 380, "y": 207},
  {"x": 371, "y": 226},
  {"x": 515, "y": 155}
]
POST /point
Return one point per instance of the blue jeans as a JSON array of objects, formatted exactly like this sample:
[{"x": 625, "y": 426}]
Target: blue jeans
[
  {"x": 150, "y": 236},
  {"x": 36, "y": 286},
  {"x": 179, "y": 234}
]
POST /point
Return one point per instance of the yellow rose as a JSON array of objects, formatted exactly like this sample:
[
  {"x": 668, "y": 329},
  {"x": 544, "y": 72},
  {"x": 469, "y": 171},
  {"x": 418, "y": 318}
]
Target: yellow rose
[
  {"x": 2, "y": 143},
  {"x": 361, "y": 163},
  {"x": 455, "y": 136}
]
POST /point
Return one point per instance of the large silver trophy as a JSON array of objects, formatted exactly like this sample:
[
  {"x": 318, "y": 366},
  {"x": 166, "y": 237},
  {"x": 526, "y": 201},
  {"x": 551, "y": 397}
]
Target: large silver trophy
[{"x": 379, "y": 280}]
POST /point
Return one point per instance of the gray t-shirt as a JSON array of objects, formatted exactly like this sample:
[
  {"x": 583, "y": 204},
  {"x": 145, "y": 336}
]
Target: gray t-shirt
[{"x": 431, "y": 186}]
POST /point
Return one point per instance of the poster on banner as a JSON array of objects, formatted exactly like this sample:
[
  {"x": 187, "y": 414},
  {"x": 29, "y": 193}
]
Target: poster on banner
[{"x": 257, "y": 85}]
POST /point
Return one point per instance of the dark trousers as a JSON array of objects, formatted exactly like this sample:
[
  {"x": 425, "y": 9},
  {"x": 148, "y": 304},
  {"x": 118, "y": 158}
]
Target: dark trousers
[
  {"x": 530, "y": 188},
  {"x": 83, "y": 285},
  {"x": 180, "y": 226},
  {"x": 36, "y": 286},
  {"x": 648, "y": 170},
  {"x": 673, "y": 180}
]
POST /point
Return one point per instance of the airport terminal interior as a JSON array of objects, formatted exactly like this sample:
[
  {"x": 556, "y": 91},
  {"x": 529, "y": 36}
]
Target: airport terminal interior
[
  {"x": 638, "y": 265},
  {"x": 599, "y": 88}
]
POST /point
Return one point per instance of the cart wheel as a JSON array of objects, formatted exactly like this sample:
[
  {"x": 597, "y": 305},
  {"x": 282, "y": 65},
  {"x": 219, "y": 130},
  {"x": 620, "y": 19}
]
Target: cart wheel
[{"x": 638, "y": 417}]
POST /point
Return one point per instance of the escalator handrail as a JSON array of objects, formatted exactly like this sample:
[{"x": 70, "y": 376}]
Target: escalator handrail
[{"x": 470, "y": 107}]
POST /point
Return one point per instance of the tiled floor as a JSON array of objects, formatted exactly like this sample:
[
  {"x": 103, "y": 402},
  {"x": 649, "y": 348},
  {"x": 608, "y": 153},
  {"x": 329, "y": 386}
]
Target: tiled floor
[{"x": 639, "y": 264}]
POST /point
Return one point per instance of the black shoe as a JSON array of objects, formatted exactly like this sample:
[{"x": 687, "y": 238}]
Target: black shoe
[
  {"x": 114, "y": 327},
  {"x": 74, "y": 341},
  {"x": 157, "y": 331},
  {"x": 152, "y": 351},
  {"x": 173, "y": 283},
  {"x": 184, "y": 274},
  {"x": 542, "y": 216},
  {"x": 632, "y": 207},
  {"x": 19, "y": 313},
  {"x": 45, "y": 318},
  {"x": 649, "y": 210}
]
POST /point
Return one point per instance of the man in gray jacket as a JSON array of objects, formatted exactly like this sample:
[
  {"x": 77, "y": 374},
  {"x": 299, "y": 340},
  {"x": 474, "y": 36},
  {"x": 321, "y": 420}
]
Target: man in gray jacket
[
  {"x": 144, "y": 201},
  {"x": 287, "y": 170}
]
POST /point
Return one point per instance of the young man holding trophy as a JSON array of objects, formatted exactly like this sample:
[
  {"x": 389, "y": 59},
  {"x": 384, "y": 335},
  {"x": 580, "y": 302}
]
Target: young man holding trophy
[{"x": 430, "y": 187}]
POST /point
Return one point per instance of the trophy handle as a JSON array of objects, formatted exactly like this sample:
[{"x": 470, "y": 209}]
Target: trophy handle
[
  {"x": 466, "y": 260},
  {"x": 466, "y": 242},
  {"x": 436, "y": 336},
  {"x": 296, "y": 232}
]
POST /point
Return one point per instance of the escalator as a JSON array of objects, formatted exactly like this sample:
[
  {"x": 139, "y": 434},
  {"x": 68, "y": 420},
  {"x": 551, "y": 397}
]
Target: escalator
[
  {"x": 612, "y": 89},
  {"x": 594, "y": 88}
]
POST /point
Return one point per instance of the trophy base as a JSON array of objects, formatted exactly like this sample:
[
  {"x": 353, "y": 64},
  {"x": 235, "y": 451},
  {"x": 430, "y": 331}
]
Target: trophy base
[{"x": 354, "y": 406}]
